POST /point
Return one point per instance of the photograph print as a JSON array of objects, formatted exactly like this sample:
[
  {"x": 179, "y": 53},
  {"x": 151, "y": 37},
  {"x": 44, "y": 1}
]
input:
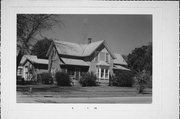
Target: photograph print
[{"x": 84, "y": 58}]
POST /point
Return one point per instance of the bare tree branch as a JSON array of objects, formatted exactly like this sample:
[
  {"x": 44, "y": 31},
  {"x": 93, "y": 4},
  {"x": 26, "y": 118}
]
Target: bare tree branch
[{"x": 29, "y": 25}]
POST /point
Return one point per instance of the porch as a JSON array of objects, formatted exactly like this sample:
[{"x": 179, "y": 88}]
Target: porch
[{"x": 75, "y": 72}]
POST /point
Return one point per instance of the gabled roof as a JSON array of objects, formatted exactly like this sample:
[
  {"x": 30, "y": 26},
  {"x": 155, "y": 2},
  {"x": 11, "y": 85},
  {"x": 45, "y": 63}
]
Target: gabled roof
[
  {"x": 119, "y": 59},
  {"x": 90, "y": 48},
  {"x": 68, "y": 48},
  {"x": 102, "y": 63},
  {"x": 75, "y": 49},
  {"x": 33, "y": 59}
]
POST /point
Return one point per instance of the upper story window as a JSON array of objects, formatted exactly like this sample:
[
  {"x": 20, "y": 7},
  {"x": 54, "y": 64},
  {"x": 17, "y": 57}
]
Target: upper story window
[
  {"x": 102, "y": 56},
  {"x": 107, "y": 57}
]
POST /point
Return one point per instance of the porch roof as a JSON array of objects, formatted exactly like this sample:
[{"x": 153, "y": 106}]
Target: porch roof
[
  {"x": 102, "y": 63},
  {"x": 78, "y": 62},
  {"x": 119, "y": 59},
  {"x": 118, "y": 67}
]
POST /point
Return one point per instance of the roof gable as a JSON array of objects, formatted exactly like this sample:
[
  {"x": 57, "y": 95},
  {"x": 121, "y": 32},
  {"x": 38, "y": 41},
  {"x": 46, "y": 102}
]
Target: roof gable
[
  {"x": 91, "y": 48},
  {"x": 75, "y": 49},
  {"x": 68, "y": 48}
]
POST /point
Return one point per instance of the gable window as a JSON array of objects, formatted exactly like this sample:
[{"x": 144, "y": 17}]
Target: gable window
[
  {"x": 102, "y": 56},
  {"x": 107, "y": 57}
]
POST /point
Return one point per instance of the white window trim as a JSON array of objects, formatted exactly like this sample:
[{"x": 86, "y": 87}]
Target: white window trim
[
  {"x": 104, "y": 73},
  {"x": 99, "y": 72},
  {"x": 108, "y": 73},
  {"x": 104, "y": 76}
]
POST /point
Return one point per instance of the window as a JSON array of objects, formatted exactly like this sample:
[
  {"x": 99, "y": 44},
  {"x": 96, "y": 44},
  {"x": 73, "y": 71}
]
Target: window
[
  {"x": 102, "y": 73},
  {"x": 64, "y": 70},
  {"x": 107, "y": 57},
  {"x": 102, "y": 56},
  {"x": 70, "y": 72},
  {"x": 20, "y": 71},
  {"x": 97, "y": 71},
  {"x": 106, "y": 73}
]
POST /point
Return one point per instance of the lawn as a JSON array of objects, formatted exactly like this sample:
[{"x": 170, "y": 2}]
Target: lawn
[{"x": 55, "y": 94}]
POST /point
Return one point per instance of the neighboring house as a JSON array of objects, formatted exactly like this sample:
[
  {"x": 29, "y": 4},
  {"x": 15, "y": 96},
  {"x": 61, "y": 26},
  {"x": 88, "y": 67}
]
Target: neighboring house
[
  {"x": 31, "y": 66},
  {"x": 76, "y": 59}
]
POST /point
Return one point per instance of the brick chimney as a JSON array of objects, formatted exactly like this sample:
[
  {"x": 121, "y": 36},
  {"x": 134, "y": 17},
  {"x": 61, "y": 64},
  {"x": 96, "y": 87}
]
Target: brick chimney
[{"x": 89, "y": 40}]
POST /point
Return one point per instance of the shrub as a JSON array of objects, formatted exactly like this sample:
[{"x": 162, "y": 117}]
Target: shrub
[
  {"x": 45, "y": 78},
  {"x": 20, "y": 80},
  {"x": 112, "y": 80},
  {"x": 62, "y": 79},
  {"x": 88, "y": 79},
  {"x": 123, "y": 79}
]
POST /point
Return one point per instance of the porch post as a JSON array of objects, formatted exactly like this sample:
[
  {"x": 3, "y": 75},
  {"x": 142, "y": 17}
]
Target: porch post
[
  {"x": 99, "y": 73},
  {"x": 108, "y": 73},
  {"x": 104, "y": 73}
]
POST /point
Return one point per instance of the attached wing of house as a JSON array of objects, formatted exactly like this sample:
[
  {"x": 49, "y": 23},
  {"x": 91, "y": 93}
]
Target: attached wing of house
[{"x": 31, "y": 66}]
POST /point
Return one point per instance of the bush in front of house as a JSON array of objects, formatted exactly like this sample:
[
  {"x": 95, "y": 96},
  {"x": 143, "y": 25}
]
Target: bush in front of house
[
  {"x": 45, "y": 78},
  {"x": 20, "y": 80},
  {"x": 62, "y": 79},
  {"x": 112, "y": 80},
  {"x": 122, "y": 79},
  {"x": 88, "y": 79}
]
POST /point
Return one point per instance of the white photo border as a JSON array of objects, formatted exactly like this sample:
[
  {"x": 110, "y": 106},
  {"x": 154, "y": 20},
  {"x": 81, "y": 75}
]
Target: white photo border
[{"x": 165, "y": 77}]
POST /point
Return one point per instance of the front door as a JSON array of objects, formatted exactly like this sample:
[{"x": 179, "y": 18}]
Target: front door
[
  {"x": 77, "y": 76},
  {"x": 77, "y": 73}
]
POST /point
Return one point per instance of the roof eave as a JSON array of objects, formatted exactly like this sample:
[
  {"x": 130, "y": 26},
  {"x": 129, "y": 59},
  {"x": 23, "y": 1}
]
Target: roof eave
[{"x": 109, "y": 50}]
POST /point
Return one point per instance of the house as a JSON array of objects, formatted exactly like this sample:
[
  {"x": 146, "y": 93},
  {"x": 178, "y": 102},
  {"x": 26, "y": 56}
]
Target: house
[
  {"x": 31, "y": 66},
  {"x": 76, "y": 59}
]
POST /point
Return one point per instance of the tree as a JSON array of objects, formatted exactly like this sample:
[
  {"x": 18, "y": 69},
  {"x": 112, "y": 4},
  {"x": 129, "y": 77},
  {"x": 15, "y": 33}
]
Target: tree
[
  {"x": 140, "y": 61},
  {"x": 28, "y": 26},
  {"x": 41, "y": 47}
]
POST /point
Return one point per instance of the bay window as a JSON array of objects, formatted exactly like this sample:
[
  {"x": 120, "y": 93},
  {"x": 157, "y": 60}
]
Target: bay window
[
  {"x": 106, "y": 73},
  {"x": 103, "y": 73}
]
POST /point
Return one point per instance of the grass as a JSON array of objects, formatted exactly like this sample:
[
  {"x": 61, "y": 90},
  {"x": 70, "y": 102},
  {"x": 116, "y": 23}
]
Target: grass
[{"x": 72, "y": 92}]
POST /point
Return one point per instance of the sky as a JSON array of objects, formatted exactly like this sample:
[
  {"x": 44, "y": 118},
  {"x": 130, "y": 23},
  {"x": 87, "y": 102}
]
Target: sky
[{"x": 123, "y": 33}]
